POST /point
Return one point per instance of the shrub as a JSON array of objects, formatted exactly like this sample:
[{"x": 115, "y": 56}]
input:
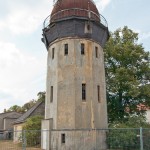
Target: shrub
[{"x": 32, "y": 133}]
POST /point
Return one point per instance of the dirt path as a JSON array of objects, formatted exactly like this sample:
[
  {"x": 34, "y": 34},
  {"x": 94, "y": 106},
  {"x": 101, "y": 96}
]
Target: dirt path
[{"x": 9, "y": 145}]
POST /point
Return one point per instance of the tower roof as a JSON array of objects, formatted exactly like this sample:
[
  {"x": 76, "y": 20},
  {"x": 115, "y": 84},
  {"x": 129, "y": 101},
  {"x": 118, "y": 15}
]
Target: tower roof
[
  {"x": 79, "y": 8},
  {"x": 75, "y": 18}
]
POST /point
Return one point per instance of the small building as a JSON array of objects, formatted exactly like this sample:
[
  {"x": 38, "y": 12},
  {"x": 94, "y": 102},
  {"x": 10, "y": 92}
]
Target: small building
[
  {"x": 37, "y": 110},
  {"x": 142, "y": 107},
  {"x": 6, "y": 123},
  {"x": 148, "y": 115}
]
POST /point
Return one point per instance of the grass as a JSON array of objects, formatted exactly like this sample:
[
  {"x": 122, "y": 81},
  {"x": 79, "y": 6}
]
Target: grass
[{"x": 10, "y": 145}]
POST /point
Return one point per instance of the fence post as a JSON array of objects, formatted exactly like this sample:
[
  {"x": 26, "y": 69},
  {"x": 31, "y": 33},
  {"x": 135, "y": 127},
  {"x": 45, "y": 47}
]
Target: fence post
[
  {"x": 141, "y": 138},
  {"x": 24, "y": 140}
]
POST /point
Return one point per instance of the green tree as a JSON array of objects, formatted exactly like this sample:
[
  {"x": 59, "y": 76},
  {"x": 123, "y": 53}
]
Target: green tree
[
  {"x": 41, "y": 96},
  {"x": 28, "y": 105},
  {"x": 32, "y": 129},
  {"x": 127, "y": 75},
  {"x": 127, "y": 135},
  {"x": 15, "y": 108}
]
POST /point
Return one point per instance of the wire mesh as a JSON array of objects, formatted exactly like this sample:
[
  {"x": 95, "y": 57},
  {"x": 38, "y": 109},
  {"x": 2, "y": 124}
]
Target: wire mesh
[{"x": 73, "y": 139}]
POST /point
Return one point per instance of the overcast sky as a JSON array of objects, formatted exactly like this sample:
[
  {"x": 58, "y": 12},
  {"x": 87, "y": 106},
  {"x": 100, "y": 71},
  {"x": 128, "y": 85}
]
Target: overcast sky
[{"x": 23, "y": 55}]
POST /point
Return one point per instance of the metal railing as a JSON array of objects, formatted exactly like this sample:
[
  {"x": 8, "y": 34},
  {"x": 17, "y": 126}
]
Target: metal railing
[
  {"x": 77, "y": 139},
  {"x": 74, "y": 12}
]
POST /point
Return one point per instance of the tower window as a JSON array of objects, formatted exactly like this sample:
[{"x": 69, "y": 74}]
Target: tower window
[
  {"x": 82, "y": 49},
  {"x": 53, "y": 51},
  {"x": 98, "y": 93},
  {"x": 83, "y": 92},
  {"x": 63, "y": 138},
  {"x": 88, "y": 27},
  {"x": 51, "y": 96},
  {"x": 96, "y": 52},
  {"x": 66, "y": 49}
]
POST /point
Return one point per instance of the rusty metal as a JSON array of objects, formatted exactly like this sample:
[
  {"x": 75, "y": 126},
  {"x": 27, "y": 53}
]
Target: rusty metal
[
  {"x": 70, "y": 18},
  {"x": 74, "y": 7},
  {"x": 59, "y": 15}
]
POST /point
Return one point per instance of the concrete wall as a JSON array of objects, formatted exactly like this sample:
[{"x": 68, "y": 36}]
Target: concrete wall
[
  {"x": 66, "y": 74},
  {"x": 45, "y": 135},
  {"x": 8, "y": 115},
  {"x": 1, "y": 124},
  {"x": 79, "y": 140},
  {"x": 17, "y": 131},
  {"x": 8, "y": 123}
]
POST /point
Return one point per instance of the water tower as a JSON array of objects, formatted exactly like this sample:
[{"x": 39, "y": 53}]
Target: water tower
[{"x": 74, "y": 35}]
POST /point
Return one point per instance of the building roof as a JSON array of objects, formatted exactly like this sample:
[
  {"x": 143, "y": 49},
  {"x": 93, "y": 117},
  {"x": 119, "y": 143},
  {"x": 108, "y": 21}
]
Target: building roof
[
  {"x": 27, "y": 114},
  {"x": 80, "y": 8},
  {"x": 10, "y": 115}
]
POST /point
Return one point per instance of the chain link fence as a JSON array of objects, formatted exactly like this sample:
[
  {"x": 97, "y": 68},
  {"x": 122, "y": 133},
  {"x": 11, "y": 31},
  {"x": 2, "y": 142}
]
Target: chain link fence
[{"x": 97, "y": 139}]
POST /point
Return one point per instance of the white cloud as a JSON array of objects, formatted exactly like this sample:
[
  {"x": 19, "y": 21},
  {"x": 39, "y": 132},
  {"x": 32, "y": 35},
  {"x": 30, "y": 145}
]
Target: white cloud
[
  {"x": 102, "y": 4},
  {"x": 143, "y": 36},
  {"x": 24, "y": 18},
  {"x": 20, "y": 74}
]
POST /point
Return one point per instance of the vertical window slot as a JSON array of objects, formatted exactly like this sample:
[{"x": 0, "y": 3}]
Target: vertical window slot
[
  {"x": 96, "y": 52},
  {"x": 98, "y": 93},
  {"x": 66, "y": 49},
  {"x": 82, "y": 49},
  {"x": 83, "y": 92},
  {"x": 53, "y": 51},
  {"x": 63, "y": 138},
  {"x": 51, "y": 96}
]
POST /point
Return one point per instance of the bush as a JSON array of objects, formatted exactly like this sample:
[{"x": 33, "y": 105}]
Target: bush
[
  {"x": 32, "y": 133},
  {"x": 126, "y": 135}
]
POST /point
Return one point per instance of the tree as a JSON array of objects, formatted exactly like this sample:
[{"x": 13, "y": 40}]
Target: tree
[
  {"x": 28, "y": 105},
  {"x": 15, "y": 108},
  {"x": 127, "y": 75},
  {"x": 41, "y": 96},
  {"x": 127, "y": 135},
  {"x": 32, "y": 129}
]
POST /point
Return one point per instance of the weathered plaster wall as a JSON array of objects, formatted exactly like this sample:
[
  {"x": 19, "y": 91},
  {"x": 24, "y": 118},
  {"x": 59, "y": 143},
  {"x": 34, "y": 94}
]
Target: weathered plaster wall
[
  {"x": 8, "y": 123},
  {"x": 79, "y": 140},
  {"x": 66, "y": 73},
  {"x": 45, "y": 135},
  {"x": 17, "y": 131},
  {"x": 10, "y": 115}
]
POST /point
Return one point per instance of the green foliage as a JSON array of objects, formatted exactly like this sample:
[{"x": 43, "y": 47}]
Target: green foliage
[
  {"x": 28, "y": 105},
  {"x": 126, "y": 135},
  {"x": 120, "y": 139},
  {"x": 15, "y": 108},
  {"x": 41, "y": 96},
  {"x": 127, "y": 75},
  {"x": 133, "y": 122},
  {"x": 32, "y": 129},
  {"x": 33, "y": 123}
]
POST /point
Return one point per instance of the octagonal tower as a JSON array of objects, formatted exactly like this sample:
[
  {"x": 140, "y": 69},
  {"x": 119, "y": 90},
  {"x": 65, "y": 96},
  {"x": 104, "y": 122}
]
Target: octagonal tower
[{"x": 74, "y": 35}]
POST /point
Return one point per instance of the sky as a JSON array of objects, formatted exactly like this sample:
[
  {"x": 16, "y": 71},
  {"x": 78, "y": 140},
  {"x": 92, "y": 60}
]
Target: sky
[{"x": 22, "y": 54}]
